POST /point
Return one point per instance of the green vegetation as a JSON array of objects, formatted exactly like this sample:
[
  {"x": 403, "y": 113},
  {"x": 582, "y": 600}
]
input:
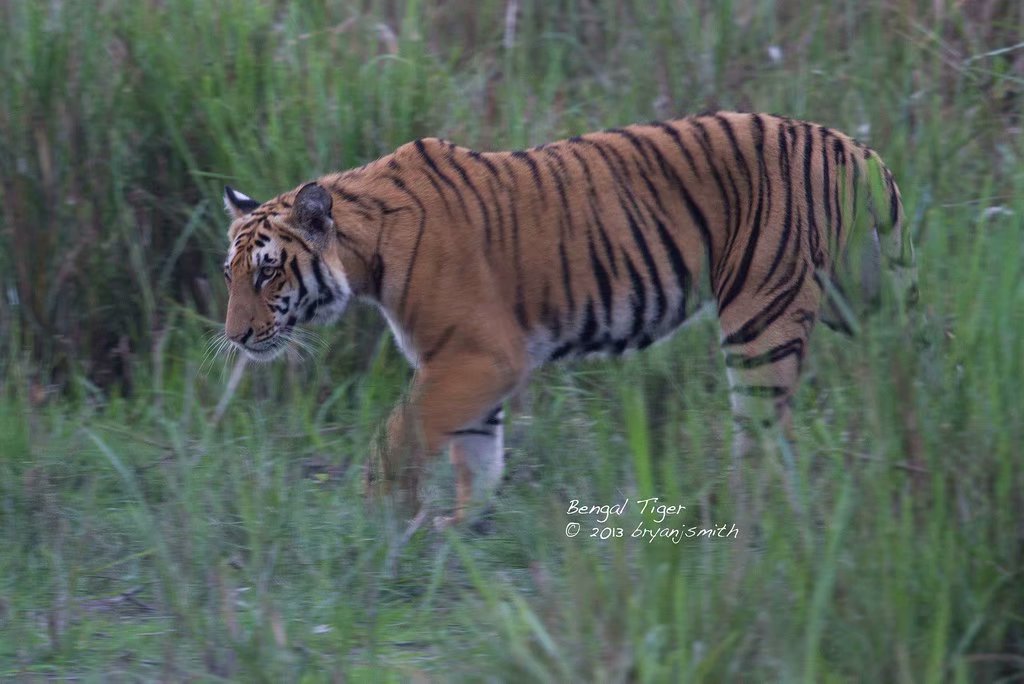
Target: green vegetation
[{"x": 145, "y": 534}]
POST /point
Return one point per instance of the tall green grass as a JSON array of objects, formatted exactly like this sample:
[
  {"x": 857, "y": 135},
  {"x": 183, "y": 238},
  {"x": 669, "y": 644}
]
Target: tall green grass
[{"x": 145, "y": 536}]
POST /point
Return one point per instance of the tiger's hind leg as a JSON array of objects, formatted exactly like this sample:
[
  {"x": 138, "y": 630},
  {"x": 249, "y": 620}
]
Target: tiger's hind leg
[{"x": 763, "y": 367}]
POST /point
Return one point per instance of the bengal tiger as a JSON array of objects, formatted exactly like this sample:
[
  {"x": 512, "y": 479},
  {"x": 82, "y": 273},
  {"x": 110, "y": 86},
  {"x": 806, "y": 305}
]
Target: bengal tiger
[{"x": 487, "y": 265}]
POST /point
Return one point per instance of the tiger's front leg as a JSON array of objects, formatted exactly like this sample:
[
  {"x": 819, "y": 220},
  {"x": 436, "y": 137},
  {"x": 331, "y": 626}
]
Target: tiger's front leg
[{"x": 451, "y": 401}]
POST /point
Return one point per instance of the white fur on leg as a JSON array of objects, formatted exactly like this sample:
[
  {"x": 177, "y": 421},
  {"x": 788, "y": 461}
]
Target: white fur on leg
[
  {"x": 485, "y": 457},
  {"x": 480, "y": 451}
]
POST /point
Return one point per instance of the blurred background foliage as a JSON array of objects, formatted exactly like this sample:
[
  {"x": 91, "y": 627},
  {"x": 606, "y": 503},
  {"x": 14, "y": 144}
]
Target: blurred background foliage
[{"x": 165, "y": 517}]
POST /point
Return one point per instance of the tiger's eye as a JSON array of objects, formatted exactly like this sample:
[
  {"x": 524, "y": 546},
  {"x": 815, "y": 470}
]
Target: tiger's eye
[{"x": 268, "y": 271}]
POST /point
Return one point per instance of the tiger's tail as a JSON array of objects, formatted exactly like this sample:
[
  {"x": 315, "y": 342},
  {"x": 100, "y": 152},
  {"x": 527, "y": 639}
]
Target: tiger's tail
[
  {"x": 885, "y": 207},
  {"x": 879, "y": 252}
]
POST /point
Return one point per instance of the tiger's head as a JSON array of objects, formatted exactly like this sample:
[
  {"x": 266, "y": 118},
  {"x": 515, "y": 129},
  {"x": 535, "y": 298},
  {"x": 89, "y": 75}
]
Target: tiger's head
[{"x": 282, "y": 268}]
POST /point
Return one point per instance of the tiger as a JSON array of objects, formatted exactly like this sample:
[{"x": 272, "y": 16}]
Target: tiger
[{"x": 488, "y": 265}]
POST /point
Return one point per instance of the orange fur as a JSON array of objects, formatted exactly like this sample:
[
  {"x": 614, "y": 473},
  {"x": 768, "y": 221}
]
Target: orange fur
[{"x": 488, "y": 265}]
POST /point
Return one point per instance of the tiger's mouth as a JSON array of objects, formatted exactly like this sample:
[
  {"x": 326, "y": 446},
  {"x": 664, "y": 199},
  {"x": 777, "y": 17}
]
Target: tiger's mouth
[
  {"x": 268, "y": 348},
  {"x": 266, "y": 351}
]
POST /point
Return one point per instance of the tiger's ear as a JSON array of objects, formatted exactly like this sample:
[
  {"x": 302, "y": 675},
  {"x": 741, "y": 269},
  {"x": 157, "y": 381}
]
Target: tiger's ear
[
  {"x": 237, "y": 204},
  {"x": 312, "y": 213}
]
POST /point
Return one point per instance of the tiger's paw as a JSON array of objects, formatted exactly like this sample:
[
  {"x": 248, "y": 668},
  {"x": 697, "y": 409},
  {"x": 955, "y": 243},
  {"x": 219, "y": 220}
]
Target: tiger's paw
[
  {"x": 443, "y": 522},
  {"x": 481, "y": 524}
]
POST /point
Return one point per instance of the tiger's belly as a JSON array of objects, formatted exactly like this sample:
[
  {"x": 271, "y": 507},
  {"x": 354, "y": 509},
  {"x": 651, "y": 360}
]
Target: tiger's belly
[{"x": 632, "y": 322}]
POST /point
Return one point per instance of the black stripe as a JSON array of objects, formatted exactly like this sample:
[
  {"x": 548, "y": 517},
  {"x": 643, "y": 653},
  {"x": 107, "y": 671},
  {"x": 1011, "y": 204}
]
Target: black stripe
[
  {"x": 633, "y": 219},
  {"x": 856, "y": 184},
  {"x": 652, "y": 269},
  {"x": 762, "y": 391},
  {"x": 595, "y": 213},
  {"x": 604, "y": 287},
  {"x": 450, "y": 158},
  {"x": 534, "y": 172},
  {"x": 737, "y": 153},
  {"x": 839, "y": 189},
  {"x": 496, "y": 202},
  {"x": 894, "y": 200},
  {"x": 548, "y": 315},
  {"x": 361, "y": 206},
  {"x": 813, "y": 237},
  {"x": 564, "y": 218},
  {"x": 589, "y": 324},
  {"x": 696, "y": 215},
  {"x": 840, "y": 326},
  {"x": 298, "y": 276},
  {"x": 445, "y": 337},
  {"x": 400, "y": 184},
  {"x": 377, "y": 275},
  {"x": 324, "y": 293},
  {"x": 566, "y": 279},
  {"x": 741, "y": 162},
  {"x": 521, "y": 315},
  {"x": 797, "y": 250},
  {"x": 673, "y": 133},
  {"x": 750, "y": 330},
  {"x": 561, "y": 351},
  {"x": 471, "y": 432},
  {"x": 652, "y": 190},
  {"x": 310, "y": 310},
  {"x": 623, "y": 187},
  {"x": 295, "y": 237},
  {"x": 679, "y": 270},
  {"x": 480, "y": 158},
  {"x": 635, "y": 142},
  {"x": 440, "y": 193},
  {"x": 777, "y": 353},
  {"x": 443, "y": 176},
  {"x": 805, "y": 318},
  {"x": 791, "y": 262},
  {"x": 676, "y": 261},
  {"x": 640, "y": 299},
  {"x": 367, "y": 203},
  {"x": 826, "y": 185},
  {"x": 785, "y": 172},
  {"x": 704, "y": 140},
  {"x": 743, "y": 269}
]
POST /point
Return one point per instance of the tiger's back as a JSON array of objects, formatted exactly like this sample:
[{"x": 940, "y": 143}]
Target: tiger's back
[
  {"x": 490, "y": 264},
  {"x": 597, "y": 244}
]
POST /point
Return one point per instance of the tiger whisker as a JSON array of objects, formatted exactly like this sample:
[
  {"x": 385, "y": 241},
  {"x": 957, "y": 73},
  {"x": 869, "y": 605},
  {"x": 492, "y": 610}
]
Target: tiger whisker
[
  {"x": 219, "y": 347},
  {"x": 305, "y": 344},
  {"x": 309, "y": 339}
]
